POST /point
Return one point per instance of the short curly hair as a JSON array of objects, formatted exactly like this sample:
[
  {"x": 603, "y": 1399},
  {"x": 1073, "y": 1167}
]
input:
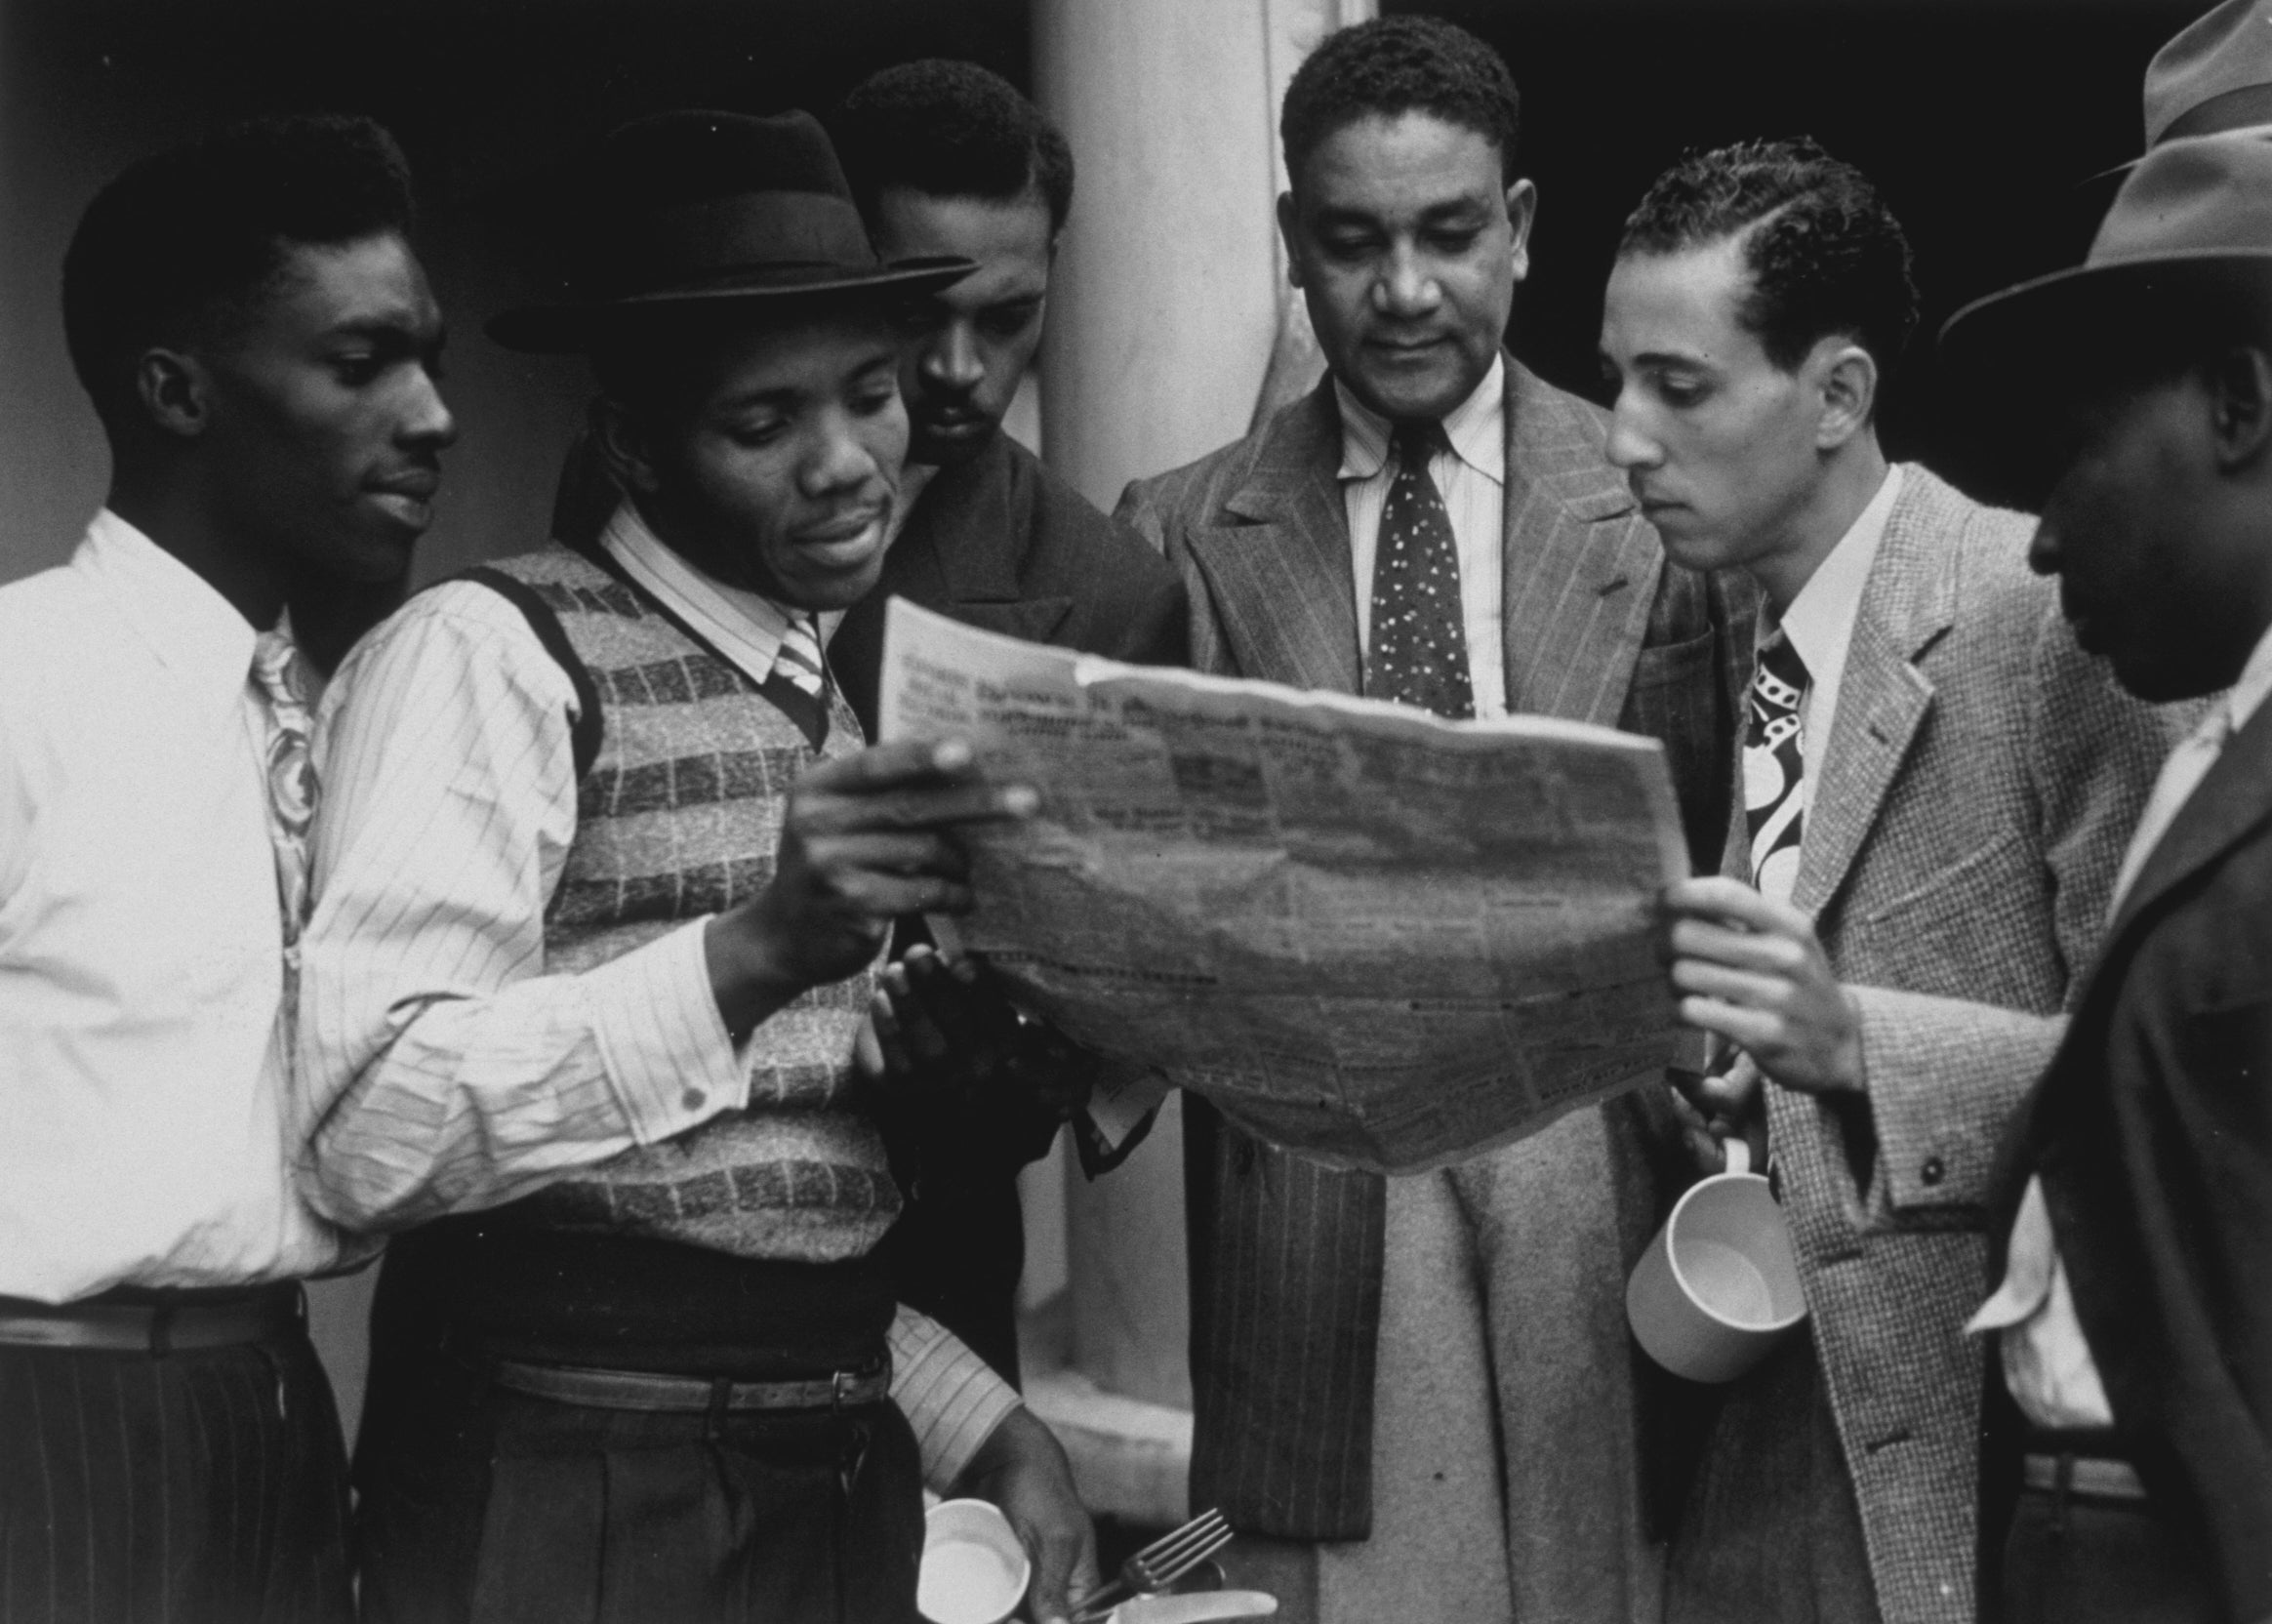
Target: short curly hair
[
  {"x": 949, "y": 129},
  {"x": 1825, "y": 253},
  {"x": 1400, "y": 65},
  {"x": 184, "y": 233}
]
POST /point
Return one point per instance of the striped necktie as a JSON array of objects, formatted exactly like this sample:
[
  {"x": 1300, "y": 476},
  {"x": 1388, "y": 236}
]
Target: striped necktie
[
  {"x": 1419, "y": 652},
  {"x": 1774, "y": 772},
  {"x": 798, "y": 682}
]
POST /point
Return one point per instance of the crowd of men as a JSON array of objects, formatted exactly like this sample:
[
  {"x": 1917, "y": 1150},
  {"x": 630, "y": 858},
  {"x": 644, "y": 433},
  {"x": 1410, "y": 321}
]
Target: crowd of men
[{"x": 562, "y": 939}]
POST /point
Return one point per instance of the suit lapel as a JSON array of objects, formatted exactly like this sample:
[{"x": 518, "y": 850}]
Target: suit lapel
[
  {"x": 1279, "y": 568},
  {"x": 961, "y": 550},
  {"x": 2233, "y": 798},
  {"x": 1577, "y": 592},
  {"x": 1907, "y": 604}
]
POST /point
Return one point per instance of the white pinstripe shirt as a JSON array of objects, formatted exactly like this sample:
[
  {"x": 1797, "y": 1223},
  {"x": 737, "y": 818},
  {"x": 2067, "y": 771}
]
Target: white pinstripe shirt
[
  {"x": 1473, "y": 481},
  {"x": 444, "y": 1071}
]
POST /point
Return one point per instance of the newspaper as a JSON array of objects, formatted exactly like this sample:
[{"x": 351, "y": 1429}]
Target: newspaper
[{"x": 1367, "y": 934}]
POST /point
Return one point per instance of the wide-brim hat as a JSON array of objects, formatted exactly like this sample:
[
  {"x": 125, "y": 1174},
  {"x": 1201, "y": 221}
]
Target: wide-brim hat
[
  {"x": 694, "y": 215},
  {"x": 2191, "y": 212}
]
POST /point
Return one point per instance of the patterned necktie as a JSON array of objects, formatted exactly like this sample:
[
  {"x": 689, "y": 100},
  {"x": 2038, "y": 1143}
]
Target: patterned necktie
[
  {"x": 293, "y": 792},
  {"x": 798, "y": 681},
  {"x": 1419, "y": 628},
  {"x": 1773, "y": 770}
]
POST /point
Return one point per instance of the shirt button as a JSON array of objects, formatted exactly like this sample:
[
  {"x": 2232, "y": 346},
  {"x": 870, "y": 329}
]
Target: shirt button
[
  {"x": 1932, "y": 1172},
  {"x": 694, "y": 1099}
]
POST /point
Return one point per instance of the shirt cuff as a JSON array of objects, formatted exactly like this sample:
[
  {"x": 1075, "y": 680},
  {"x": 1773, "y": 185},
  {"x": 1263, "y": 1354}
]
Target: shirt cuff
[
  {"x": 952, "y": 1398},
  {"x": 665, "y": 1044}
]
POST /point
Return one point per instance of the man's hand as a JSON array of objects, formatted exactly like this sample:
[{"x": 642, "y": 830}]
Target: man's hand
[
  {"x": 864, "y": 838},
  {"x": 944, "y": 1029},
  {"x": 1719, "y": 1104},
  {"x": 1752, "y": 971},
  {"x": 1022, "y": 1468}
]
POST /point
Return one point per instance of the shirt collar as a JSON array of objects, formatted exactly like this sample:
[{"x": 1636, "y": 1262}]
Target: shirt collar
[
  {"x": 189, "y": 627},
  {"x": 2255, "y": 683},
  {"x": 1476, "y": 428},
  {"x": 745, "y": 627},
  {"x": 1820, "y": 621}
]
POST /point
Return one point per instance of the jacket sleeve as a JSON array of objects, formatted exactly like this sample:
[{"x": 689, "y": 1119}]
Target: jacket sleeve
[{"x": 1946, "y": 1075}]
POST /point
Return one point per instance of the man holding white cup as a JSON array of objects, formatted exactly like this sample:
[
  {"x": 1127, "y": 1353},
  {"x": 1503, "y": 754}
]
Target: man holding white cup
[{"x": 1938, "y": 787}]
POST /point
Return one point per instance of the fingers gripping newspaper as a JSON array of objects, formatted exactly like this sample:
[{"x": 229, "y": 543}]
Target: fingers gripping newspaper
[{"x": 1382, "y": 939}]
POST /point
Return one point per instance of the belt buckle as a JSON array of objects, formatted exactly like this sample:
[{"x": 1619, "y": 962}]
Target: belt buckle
[{"x": 840, "y": 1386}]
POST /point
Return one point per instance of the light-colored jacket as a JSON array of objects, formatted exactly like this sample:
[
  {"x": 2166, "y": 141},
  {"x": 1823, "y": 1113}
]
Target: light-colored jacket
[{"x": 1982, "y": 779}]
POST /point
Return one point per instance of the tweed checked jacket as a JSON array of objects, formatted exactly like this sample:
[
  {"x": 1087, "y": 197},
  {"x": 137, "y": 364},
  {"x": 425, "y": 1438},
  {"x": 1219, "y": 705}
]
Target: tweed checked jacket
[
  {"x": 1286, "y": 1254},
  {"x": 1981, "y": 783}
]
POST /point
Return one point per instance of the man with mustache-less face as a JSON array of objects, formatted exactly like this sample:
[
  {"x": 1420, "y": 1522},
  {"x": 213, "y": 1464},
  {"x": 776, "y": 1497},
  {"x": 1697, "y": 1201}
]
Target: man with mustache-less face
[
  {"x": 259, "y": 344},
  {"x": 1415, "y": 1396},
  {"x": 602, "y": 901}
]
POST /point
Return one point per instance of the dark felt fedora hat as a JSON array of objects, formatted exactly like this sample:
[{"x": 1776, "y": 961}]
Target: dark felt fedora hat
[
  {"x": 694, "y": 213},
  {"x": 2192, "y": 211}
]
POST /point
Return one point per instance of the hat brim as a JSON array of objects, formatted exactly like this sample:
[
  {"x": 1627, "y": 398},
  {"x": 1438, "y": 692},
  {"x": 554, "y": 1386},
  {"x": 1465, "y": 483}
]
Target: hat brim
[
  {"x": 2024, "y": 323},
  {"x": 571, "y": 329}
]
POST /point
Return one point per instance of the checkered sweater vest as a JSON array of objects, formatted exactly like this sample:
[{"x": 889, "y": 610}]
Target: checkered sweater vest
[{"x": 679, "y": 809}]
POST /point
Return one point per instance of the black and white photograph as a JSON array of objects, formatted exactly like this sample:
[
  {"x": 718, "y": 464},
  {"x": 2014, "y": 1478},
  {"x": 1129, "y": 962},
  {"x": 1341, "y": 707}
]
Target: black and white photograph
[{"x": 1135, "y": 811}]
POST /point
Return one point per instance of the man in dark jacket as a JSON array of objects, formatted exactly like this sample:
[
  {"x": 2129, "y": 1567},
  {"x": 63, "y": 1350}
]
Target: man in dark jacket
[
  {"x": 2135, "y": 1315},
  {"x": 947, "y": 159}
]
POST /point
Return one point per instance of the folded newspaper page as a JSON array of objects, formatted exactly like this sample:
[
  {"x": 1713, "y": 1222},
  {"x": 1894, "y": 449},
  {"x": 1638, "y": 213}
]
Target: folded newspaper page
[{"x": 1379, "y": 937}]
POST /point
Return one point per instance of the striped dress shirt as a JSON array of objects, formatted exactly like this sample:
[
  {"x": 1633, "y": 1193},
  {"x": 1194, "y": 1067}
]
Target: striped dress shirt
[{"x": 444, "y": 1071}]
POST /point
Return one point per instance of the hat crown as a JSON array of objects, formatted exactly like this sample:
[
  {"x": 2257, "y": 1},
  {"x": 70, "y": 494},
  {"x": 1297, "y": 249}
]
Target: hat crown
[
  {"x": 2214, "y": 75},
  {"x": 704, "y": 212},
  {"x": 2209, "y": 196}
]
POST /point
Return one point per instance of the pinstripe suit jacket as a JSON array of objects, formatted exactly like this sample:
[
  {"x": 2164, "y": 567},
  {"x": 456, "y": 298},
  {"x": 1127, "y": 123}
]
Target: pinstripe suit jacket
[
  {"x": 1981, "y": 783},
  {"x": 1286, "y": 1254}
]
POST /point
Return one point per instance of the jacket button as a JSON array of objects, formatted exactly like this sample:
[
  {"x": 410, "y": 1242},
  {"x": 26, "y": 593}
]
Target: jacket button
[{"x": 1932, "y": 1172}]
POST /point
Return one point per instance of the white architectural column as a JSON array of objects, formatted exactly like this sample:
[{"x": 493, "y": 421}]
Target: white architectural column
[{"x": 1166, "y": 308}]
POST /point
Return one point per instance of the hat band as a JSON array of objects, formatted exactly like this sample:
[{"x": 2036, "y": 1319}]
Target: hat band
[
  {"x": 748, "y": 239},
  {"x": 2238, "y": 108}
]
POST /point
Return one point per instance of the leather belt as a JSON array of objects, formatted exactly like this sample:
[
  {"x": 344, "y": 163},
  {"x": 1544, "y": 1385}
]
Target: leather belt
[
  {"x": 646, "y": 1390},
  {"x": 2090, "y": 1475},
  {"x": 156, "y": 1328}
]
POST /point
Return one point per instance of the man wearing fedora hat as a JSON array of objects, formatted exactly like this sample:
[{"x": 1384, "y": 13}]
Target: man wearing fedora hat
[
  {"x": 2133, "y": 1365},
  {"x": 599, "y": 915}
]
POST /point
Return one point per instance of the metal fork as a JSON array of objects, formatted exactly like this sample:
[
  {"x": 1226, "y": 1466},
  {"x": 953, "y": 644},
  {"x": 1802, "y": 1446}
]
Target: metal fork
[{"x": 1158, "y": 1565}]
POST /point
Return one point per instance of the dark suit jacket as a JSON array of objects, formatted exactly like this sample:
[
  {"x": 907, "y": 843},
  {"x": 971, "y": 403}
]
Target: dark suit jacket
[
  {"x": 2153, "y": 1133},
  {"x": 1286, "y": 1253},
  {"x": 1001, "y": 543}
]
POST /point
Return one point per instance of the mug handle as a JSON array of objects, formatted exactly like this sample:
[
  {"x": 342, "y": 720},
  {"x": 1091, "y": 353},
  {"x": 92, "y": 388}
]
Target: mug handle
[{"x": 1737, "y": 1148}]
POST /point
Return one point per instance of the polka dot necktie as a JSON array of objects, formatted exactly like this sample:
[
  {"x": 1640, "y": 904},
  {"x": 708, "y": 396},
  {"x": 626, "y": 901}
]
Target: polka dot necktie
[
  {"x": 1419, "y": 631},
  {"x": 1773, "y": 770}
]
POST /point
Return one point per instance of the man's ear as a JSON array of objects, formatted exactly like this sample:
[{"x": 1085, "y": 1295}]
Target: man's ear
[
  {"x": 623, "y": 446},
  {"x": 175, "y": 390},
  {"x": 1521, "y": 214},
  {"x": 1289, "y": 230},
  {"x": 2239, "y": 392},
  {"x": 1849, "y": 376}
]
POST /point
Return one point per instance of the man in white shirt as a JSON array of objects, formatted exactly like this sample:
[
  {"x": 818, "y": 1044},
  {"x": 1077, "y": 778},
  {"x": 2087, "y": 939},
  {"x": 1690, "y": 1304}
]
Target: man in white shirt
[
  {"x": 259, "y": 342},
  {"x": 603, "y": 891},
  {"x": 2132, "y": 1470},
  {"x": 1937, "y": 785}
]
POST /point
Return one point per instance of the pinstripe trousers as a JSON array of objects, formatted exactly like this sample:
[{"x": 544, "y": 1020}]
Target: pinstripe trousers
[{"x": 197, "y": 1487}]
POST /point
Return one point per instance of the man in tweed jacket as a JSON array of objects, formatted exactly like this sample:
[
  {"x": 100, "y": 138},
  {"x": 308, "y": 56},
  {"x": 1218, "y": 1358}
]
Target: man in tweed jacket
[
  {"x": 1414, "y": 1396},
  {"x": 1933, "y": 845}
]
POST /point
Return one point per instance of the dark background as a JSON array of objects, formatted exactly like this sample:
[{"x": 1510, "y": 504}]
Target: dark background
[{"x": 1977, "y": 117}]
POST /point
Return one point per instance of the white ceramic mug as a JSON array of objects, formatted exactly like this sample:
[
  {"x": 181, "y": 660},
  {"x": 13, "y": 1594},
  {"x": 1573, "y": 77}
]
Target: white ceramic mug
[
  {"x": 1719, "y": 1285},
  {"x": 975, "y": 1570}
]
